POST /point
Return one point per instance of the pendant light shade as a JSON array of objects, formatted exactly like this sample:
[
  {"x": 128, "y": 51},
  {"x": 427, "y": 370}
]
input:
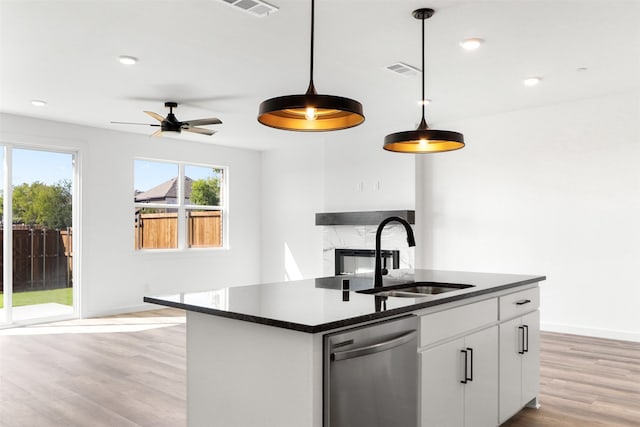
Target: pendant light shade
[
  {"x": 310, "y": 112},
  {"x": 423, "y": 139}
]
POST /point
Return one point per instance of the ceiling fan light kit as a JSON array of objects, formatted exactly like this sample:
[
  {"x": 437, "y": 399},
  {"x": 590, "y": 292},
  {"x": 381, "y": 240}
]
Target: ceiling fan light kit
[
  {"x": 310, "y": 112},
  {"x": 423, "y": 139}
]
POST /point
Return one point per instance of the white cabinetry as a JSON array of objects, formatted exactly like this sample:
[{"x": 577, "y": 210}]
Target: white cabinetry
[
  {"x": 459, "y": 366},
  {"x": 480, "y": 362},
  {"x": 481, "y": 393},
  {"x": 460, "y": 381},
  {"x": 519, "y": 351}
]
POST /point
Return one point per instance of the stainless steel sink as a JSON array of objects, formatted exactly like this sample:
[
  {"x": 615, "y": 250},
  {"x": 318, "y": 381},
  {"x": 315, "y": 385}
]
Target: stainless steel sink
[
  {"x": 417, "y": 289},
  {"x": 400, "y": 294},
  {"x": 432, "y": 289}
]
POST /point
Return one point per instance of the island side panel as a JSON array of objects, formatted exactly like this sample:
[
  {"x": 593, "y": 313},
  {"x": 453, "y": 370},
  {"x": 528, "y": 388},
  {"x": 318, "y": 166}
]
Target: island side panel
[{"x": 247, "y": 374}]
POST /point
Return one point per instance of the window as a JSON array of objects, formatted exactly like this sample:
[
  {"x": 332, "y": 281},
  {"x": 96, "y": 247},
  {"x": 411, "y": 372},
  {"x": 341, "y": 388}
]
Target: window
[{"x": 179, "y": 205}]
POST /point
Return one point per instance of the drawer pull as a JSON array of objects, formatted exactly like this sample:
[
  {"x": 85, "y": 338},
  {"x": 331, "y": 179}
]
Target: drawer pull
[{"x": 523, "y": 302}]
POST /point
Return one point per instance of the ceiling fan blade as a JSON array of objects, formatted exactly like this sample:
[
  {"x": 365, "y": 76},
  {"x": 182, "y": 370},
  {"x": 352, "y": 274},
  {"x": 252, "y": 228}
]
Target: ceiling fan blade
[
  {"x": 156, "y": 116},
  {"x": 199, "y": 130},
  {"x": 157, "y": 133},
  {"x": 201, "y": 122},
  {"x": 131, "y": 123}
]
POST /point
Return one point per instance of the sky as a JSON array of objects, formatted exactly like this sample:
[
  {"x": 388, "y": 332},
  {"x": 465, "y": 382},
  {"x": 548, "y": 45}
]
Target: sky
[
  {"x": 51, "y": 167},
  {"x": 44, "y": 166},
  {"x": 148, "y": 174}
]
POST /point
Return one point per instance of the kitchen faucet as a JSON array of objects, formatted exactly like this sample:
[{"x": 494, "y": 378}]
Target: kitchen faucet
[{"x": 377, "y": 276}]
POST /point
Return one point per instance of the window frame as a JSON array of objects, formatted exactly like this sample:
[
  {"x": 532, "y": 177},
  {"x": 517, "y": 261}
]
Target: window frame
[{"x": 183, "y": 208}]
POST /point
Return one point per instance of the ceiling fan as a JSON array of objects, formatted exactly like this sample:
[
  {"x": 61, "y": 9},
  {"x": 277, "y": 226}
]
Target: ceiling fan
[{"x": 172, "y": 124}]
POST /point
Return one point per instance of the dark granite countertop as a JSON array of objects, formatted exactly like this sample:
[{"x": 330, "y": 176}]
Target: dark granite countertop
[{"x": 319, "y": 305}]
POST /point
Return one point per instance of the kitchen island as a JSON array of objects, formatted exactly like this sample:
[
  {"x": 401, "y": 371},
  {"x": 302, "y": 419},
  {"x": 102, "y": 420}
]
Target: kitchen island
[{"x": 256, "y": 357}]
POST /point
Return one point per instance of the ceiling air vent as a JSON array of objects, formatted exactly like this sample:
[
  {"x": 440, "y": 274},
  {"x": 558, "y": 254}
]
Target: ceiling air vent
[
  {"x": 254, "y": 7},
  {"x": 403, "y": 69}
]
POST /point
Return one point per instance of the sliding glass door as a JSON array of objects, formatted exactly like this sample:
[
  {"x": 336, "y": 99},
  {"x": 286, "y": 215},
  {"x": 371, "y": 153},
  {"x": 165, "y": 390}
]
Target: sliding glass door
[{"x": 37, "y": 230}]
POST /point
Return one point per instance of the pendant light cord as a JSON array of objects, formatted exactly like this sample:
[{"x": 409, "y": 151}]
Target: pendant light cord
[
  {"x": 313, "y": 8},
  {"x": 312, "y": 90},
  {"x": 423, "y": 101}
]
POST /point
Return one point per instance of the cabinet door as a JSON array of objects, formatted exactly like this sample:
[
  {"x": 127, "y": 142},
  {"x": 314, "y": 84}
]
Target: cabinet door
[
  {"x": 510, "y": 368},
  {"x": 531, "y": 359},
  {"x": 481, "y": 393},
  {"x": 442, "y": 393}
]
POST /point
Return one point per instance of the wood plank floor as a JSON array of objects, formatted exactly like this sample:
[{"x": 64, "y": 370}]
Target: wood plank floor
[
  {"x": 129, "y": 371},
  {"x": 122, "y": 371},
  {"x": 585, "y": 382}
]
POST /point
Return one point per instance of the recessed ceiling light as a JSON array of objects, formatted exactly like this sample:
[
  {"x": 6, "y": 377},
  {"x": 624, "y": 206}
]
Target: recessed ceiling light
[
  {"x": 127, "y": 60},
  {"x": 471, "y": 43},
  {"x": 532, "y": 81},
  {"x": 581, "y": 69},
  {"x": 38, "y": 103}
]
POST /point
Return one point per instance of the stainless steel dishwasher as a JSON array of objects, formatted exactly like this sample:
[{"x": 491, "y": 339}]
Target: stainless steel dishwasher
[{"x": 371, "y": 375}]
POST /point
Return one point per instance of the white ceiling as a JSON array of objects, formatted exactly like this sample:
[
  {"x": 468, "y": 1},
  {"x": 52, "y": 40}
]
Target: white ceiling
[{"x": 222, "y": 62}]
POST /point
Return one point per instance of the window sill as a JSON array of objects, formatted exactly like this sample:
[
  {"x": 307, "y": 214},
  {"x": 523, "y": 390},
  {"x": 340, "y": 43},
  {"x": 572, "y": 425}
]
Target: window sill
[{"x": 176, "y": 251}]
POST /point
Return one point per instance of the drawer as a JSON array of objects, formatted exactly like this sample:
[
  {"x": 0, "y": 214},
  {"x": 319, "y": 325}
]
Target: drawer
[
  {"x": 454, "y": 321},
  {"x": 518, "y": 303}
]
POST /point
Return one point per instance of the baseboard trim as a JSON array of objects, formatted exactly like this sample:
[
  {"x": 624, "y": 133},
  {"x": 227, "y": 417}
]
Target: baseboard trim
[{"x": 591, "y": 332}]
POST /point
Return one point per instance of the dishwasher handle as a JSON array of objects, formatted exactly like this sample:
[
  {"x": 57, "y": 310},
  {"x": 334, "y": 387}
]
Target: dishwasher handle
[{"x": 375, "y": 348}]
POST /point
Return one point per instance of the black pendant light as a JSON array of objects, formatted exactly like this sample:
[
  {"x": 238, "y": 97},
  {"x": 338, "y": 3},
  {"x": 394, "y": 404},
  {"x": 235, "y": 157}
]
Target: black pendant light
[
  {"x": 423, "y": 139},
  {"x": 310, "y": 112}
]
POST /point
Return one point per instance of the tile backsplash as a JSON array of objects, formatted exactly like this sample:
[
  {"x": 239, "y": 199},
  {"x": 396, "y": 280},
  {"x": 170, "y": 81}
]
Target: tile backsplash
[{"x": 394, "y": 236}]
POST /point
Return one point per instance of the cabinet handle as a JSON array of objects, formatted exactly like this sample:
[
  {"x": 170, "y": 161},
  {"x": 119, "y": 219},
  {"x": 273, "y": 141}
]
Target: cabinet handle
[
  {"x": 468, "y": 365},
  {"x": 471, "y": 364},
  {"x": 521, "y": 340},
  {"x": 466, "y": 362},
  {"x": 523, "y": 302},
  {"x": 525, "y": 342}
]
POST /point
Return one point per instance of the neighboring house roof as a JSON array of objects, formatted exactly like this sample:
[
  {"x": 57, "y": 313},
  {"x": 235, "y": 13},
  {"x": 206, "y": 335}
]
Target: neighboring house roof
[{"x": 164, "y": 191}]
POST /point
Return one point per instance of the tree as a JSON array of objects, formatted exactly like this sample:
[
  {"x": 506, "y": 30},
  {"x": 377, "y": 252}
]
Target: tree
[
  {"x": 42, "y": 204},
  {"x": 205, "y": 192}
]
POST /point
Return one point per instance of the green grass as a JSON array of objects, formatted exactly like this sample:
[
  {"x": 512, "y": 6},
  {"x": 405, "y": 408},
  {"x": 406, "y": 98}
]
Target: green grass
[{"x": 61, "y": 296}]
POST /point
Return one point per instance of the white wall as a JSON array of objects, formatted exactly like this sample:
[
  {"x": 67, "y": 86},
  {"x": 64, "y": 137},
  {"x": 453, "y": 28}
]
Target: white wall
[
  {"x": 292, "y": 193},
  {"x": 113, "y": 276},
  {"x": 361, "y": 176},
  {"x": 552, "y": 191}
]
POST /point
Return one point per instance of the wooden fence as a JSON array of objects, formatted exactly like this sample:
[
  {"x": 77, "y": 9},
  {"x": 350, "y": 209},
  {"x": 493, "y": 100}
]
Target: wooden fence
[
  {"x": 160, "y": 230},
  {"x": 42, "y": 258}
]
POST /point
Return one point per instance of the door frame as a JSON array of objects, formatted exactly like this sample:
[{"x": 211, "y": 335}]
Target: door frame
[{"x": 7, "y": 247}]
